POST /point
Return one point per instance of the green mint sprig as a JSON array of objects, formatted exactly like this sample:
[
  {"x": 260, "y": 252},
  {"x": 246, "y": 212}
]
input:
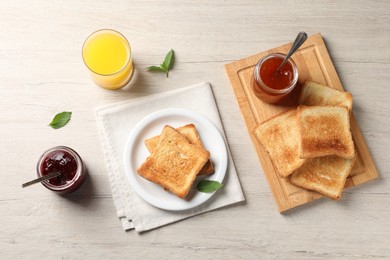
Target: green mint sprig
[
  {"x": 60, "y": 120},
  {"x": 208, "y": 186},
  {"x": 166, "y": 65}
]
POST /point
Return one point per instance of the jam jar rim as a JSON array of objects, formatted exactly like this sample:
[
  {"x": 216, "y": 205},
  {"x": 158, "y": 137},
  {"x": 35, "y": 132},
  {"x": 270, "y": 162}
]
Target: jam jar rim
[
  {"x": 261, "y": 82},
  {"x": 77, "y": 175}
]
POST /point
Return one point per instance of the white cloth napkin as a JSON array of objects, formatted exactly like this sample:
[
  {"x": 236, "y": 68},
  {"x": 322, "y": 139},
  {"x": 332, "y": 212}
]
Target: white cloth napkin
[{"x": 116, "y": 121}]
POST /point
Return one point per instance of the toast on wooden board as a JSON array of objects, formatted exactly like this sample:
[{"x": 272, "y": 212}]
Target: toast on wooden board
[
  {"x": 324, "y": 130},
  {"x": 279, "y": 137},
  {"x": 326, "y": 175},
  {"x": 189, "y": 132},
  {"x": 314, "y": 94},
  {"x": 175, "y": 163}
]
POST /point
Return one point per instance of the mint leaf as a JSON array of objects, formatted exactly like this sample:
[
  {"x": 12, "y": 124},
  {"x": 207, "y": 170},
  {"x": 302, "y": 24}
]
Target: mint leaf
[
  {"x": 155, "y": 68},
  {"x": 208, "y": 186},
  {"x": 60, "y": 120},
  {"x": 166, "y": 65},
  {"x": 168, "y": 61}
]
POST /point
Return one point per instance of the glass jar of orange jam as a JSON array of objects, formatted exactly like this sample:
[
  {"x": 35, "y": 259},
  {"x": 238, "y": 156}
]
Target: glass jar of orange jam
[{"x": 271, "y": 85}]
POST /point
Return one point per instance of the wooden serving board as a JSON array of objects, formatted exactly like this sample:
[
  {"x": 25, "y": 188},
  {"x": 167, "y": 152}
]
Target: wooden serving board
[{"x": 314, "y": 63}]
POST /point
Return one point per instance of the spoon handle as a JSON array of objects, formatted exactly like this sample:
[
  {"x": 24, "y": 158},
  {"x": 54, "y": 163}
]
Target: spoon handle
[
  {"x": 43, "y": 178},
  {"x": 299, "y": 40}
]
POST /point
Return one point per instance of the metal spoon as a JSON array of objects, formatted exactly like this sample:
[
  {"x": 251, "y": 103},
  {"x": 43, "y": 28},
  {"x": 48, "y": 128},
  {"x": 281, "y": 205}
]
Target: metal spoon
[
  {"x": 43, "y": 178},
  {"x": 299, "y": 40}
]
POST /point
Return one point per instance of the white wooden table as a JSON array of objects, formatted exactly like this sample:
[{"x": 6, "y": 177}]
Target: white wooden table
[{"x": 42, "y": 73}]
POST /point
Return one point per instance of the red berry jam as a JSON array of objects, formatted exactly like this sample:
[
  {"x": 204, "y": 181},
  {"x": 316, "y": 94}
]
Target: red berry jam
[{"x": 66, "y": 161}]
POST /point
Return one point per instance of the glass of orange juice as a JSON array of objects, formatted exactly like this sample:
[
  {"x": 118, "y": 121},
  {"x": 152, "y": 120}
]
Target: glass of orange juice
[{"x": 107, "y": 55}]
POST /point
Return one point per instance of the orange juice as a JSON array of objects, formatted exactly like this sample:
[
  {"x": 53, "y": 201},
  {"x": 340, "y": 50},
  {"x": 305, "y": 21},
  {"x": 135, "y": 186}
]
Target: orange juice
[{"x": 107, "y": 55}]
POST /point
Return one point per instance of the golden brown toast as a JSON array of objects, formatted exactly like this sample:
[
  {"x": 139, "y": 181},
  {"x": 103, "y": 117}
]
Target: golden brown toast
[
  {"x": 324, "y": 130},
  {"x": 314, "y": 94},
  {"x": 189, "y": 132},
  {"x": 174, "y": 163},
  {"x": 279, "y": 137},
  {"x": 326, "y": 175}
]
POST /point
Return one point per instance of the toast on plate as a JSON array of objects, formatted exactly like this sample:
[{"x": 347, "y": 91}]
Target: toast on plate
[
  {"x": 314, "y": 94},
  {"x": 324, "y": 130},
  {"x": 326, "y": 175},
  {"x": 174, "y": 163},
  {"x": 189, "y": 132},
  {"x": 279, "y": 137}
]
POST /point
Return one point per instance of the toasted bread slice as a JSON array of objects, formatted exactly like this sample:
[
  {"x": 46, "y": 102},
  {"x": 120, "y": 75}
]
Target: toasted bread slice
[
  {"x": 324, "y": 131},
  {"x": 189, "y": 132},
  {"x": 326, "y": 175},
  {"x": 314, "y": 94},
  {"x": 279, "y": 137},
  {"x": 174, "y": 163}
]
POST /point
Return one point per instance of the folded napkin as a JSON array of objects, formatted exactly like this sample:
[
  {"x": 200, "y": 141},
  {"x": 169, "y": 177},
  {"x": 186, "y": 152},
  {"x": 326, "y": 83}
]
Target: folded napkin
[{"x": 116, "y": 121}]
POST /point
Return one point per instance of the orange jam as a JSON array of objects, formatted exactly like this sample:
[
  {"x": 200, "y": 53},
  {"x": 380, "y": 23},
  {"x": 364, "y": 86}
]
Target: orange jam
[{"x": 271, "y": 85}]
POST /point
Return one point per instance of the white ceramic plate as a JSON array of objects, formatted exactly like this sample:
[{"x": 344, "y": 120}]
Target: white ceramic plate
[{"x": 135, "y": 154}]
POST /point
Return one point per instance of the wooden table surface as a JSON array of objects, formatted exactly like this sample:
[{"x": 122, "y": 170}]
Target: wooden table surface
[{"x": 42, "y": 73}]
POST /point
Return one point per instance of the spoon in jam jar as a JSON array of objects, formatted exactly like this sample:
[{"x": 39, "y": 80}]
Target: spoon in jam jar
[
  {"x": 43, "y": 178},
  {"x": 299, "y": 40}
]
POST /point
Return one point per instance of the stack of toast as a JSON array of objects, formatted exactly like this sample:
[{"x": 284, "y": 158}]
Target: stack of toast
[
  {"x": 312, "y": 145},
  {"x": 177, "y": 157}
]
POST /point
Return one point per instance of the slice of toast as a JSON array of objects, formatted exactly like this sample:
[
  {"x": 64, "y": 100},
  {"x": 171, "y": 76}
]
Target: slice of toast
[
  {"x": 279, "y": 137},
  {"x": 314, "y": 94},
  {"x": 324, "y": 131},
  {"x": 326, "y": 175},
  {"x": 174, "y": 163},
  {"x": 189, "y": 132}
]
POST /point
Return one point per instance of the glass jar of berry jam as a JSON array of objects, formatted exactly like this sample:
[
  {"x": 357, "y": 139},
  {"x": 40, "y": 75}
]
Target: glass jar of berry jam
[
  {"x": 271, "y": 85},
  {"x": 66, "y": 161}
]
